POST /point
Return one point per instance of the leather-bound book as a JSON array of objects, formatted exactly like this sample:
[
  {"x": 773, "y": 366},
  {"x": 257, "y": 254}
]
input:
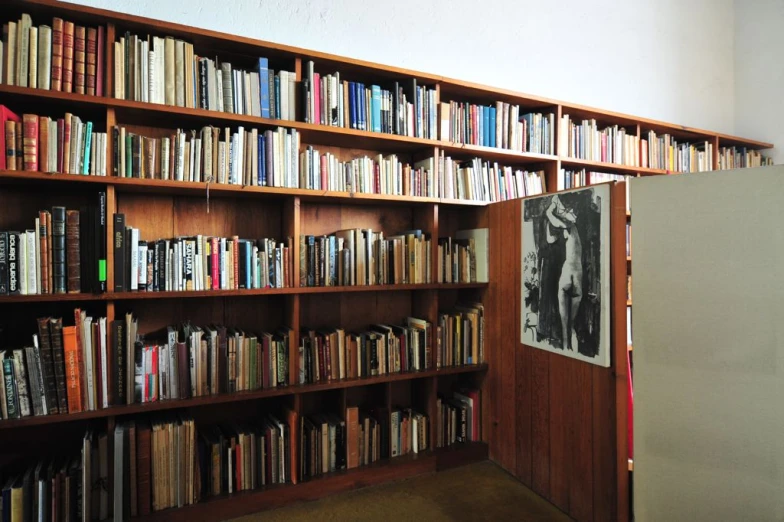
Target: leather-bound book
[
  {"x": 58, "y": 249},
  {"x": 73, "y": 253}
]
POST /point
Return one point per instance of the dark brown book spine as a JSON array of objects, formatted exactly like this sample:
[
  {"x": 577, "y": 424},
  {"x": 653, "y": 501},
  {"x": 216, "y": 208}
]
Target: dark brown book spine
[
  {"x": 19, "y": 145},
  {"x": 58, "y": 362},
  {"x": 79, "y": 59},
  {"x": 73, "y": 268},
  {"x": 143, "y": 464},
  {"x": 44, "y": 246},
  {"x": 58, "y": 249},
  {"x": 47, "y": 366}
]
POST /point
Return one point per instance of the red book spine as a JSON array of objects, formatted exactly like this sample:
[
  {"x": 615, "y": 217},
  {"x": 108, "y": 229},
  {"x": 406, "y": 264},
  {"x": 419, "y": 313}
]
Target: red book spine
[
  {"x": 323, "y": 172},
  {"x": 376, "y": 179},
  {"x": 215, "y": 263},
  {"x": 67, "y": 145},
  {"x": 316, "y": 98},
  {"x": 68, "y": 57},
  {"x": 30, "y": 143},
  {"x": 57, "y": 54},
  {"x": 5, "y": 115},
  {"x": 19, "y": 145},
  {"x": 99, "y": 62},
  {"x": 154, "y": 375},
  {"x": 90, "y": 60},
  {"x": 98, "y": 373}
]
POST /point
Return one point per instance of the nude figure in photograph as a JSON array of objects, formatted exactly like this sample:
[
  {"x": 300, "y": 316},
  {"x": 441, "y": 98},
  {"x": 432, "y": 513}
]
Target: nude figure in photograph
[{"x": 563, "y": 223}]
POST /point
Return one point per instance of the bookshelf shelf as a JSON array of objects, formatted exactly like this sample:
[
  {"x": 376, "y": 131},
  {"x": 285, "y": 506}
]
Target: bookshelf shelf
[
  {"x": 129, "y": 296},
  {"x": 611, "y": 168},
  {"x": 227, "y": 506},
  {"x": 194, "y": 402}
]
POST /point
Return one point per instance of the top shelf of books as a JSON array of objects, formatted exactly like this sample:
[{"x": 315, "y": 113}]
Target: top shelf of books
[{"x": 143, "y": 77}]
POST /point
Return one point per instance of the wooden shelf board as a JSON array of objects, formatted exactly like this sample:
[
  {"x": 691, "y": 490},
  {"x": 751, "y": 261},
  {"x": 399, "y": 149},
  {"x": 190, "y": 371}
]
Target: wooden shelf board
[
  {"x": 611, "y": 168},
  {"x": 507, "y": 156},
  {"x": 228, "y": 506},
  {"x": 193, "y": 402},
  {"x": 158, "y": 186},
  {"x": 726, "y": 140},
  {"x": 128, "y": 296}
]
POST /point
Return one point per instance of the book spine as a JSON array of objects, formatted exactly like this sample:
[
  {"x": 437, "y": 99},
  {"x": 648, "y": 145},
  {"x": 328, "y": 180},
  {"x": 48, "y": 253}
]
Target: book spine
[
  {"x": 11, "y": 397},
  {"x": 58, "y": 363},
  {"x": 79, "y": 48},
  {"x": 30, "y": 143},
  {"x": 90, "y": 60},
  {"x": 58, "y": 249},
  {"x": 72, "y": 243},
  {"x": 68, "y": 57},
  {"x": 10, "y": 145},
  {"x": 22, "y": 384},
  {"x": 3, "y": 263},
  {"x": 14, "y": 253},
  {"x": 120, "y": 269},
  {"x": 57, "y": 54}
]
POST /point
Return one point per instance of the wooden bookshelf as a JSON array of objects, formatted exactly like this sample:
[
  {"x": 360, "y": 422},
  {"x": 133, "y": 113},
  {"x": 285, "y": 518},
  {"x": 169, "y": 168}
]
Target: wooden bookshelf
[{"x": 170, "y": 208}]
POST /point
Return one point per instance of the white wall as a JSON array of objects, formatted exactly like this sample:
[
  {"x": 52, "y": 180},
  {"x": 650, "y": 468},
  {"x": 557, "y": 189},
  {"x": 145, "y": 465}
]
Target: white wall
[
  {"x": 665, "y": 59},
  {"x": 759, "y": 74}
]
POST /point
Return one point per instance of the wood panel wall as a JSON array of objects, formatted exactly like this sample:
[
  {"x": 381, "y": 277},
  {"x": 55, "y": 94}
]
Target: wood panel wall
[{"x": 557, "y": 424}]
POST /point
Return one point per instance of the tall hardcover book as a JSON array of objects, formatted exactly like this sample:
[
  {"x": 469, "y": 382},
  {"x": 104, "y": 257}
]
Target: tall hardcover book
[
  {"x": 47, "y": 366},
  {"x": 6, "y": 116},
  {"x": 3, "y": 263},
  {"x": 58, "y": 250},
  {"x": 44, "y": 57},
  {"x": 120, "y": 254},
  {"x": 58, "y": 362},
  {"x": 14, "y": 262},
  {"x": 30, "y": 141},
  {"x": 73, "y": 252},
  {"x": 72, "y": 375},
  {"x": 57, "y": 54},
  {"x": 91, "y": 48},
  {"x": 68, "y": 57}
]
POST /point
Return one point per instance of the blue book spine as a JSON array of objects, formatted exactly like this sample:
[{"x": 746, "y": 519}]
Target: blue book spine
[
  {"x": 248, "y": 269},
  {"x": 361, "y": 106},
  {"x": 262, "y": 181},
  {"x": 277, "y": 94},
  {"x": 352, "y": 102},
  {"x": 264, "y": 87},
  {"x": 492, "y": 127},
  {"x": 88, "y": 138},
  {"x": 486, "y": 126},
  {"x": 376, "y": 100}
]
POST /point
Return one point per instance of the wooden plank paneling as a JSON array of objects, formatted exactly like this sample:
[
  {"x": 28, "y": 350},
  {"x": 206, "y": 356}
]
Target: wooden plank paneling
[
  {"x": 560, "y": 454},
  {"x": 580, "y": 442},
  {"x": 522, "y": 355},
  {"x": 540, "y": 422}
]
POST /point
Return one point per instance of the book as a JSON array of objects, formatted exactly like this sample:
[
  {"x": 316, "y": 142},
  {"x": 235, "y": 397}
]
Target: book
[
  {"x": 44, "y": 65},
  {"x": 7, "y": 141},
  {"x": 58, "y": 26},
  {"x": 72, "y": 374},
  {"x": 68, "y": 56},
  {"x": 30, "y": 143}
]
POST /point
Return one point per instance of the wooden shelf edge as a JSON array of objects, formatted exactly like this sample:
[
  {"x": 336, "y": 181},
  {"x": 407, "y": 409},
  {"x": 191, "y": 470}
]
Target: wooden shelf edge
[
  {"x": 173, "y": 404},
  {"x": 229, "y": 506},
  {"x": 198, "y": 188},
  {"x": 615, "y": 168},
  {"x": 132, "y": 296}
]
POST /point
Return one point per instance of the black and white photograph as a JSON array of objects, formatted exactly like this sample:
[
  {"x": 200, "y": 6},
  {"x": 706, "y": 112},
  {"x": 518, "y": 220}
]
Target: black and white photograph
[{"x": 566, "y": 274}]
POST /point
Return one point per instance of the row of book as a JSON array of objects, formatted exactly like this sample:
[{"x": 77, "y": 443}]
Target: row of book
[
  {"x": 243, "y": 157},
  {"x": 64, "y": 251},
  {"x": 464, "y": 258},
  {"x": 502, "y": 126},
  {"x": 460, "y": 337},
  {"x": 60, "y": 372},
  {"x": 584, "y": 140},
  {"x": 167, "y": 70},
  {"x": 191, "y": 361},
  {"x": 481, "y": 180},
  {"x": 61, "y": 57},
  {"x": 569, "y": 179},
  {"x": 458, "y": 418},
  {"x": 364, "y": 257},
  {"x": 93, "y": 365},
  {"x": 38, "y": 143},
  {"x": 329, "y": 443},
  {"x": 377, "y": 175},
  {"x": 405, "y": 110},
  {"x": 741, "y": 158},
  {"x": 667, "y": 153},
  {"x": 195, "y": 263},
  {"x": 332, "y": 353}
]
